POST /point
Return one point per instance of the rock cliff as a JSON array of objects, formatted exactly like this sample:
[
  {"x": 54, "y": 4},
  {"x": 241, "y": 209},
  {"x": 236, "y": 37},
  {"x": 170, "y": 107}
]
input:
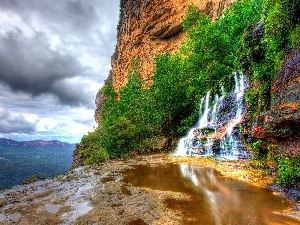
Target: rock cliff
[
  {"x": 150, "y": 27},
  {"x": 147, "y": 28},
  {"x": 282, "y": 121}
]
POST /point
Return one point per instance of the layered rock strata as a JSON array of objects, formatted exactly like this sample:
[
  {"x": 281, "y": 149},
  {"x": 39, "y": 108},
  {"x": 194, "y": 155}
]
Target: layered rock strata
[{"x": 282, "y": 122}]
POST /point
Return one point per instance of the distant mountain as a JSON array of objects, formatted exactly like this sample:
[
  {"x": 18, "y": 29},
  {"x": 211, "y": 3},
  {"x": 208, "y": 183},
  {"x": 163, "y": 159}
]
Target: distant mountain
[
  {"x": 21, "y": 160},
  {"x": 10, "y": 142}
]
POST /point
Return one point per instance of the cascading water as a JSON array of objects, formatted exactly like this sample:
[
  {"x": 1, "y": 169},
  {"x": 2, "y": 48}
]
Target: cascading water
[
  {"x": 212, "y": 116},
  {"x": 188, "y": 145},
  {"x": 217, "y": 131},
  {"x": 231, "y": 146},
  {"x": 203, "y": 119}
]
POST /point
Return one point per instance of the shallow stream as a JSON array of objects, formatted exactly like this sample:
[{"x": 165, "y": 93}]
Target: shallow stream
[{"x": 214, "y": 199}]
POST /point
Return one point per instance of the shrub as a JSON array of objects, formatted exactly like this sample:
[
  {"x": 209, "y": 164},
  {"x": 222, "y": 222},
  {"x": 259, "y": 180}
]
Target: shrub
[
  {"x": 91, "y": 149},
  {"x": 289, "y": 171},
  {"x": 119, "y": 138}
]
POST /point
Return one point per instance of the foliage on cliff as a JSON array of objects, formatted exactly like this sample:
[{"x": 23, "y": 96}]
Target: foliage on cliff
[
  {"x": 252, "y": 36},
  {"x": 265, "y": 46}
]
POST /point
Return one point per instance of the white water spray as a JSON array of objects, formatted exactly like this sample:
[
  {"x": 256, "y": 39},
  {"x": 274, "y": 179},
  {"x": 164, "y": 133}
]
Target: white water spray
[
  {"x": 203, "y": 119},
  {"x": 198, "y": 142}
]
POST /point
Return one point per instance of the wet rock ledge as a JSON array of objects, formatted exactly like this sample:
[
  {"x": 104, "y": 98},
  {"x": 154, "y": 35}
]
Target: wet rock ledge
[{"x": 99, "y": 194}]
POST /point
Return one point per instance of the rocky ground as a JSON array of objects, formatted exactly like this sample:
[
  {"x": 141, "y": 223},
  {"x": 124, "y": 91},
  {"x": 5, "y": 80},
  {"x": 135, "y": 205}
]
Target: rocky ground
[{"x": 99, "y": 195}]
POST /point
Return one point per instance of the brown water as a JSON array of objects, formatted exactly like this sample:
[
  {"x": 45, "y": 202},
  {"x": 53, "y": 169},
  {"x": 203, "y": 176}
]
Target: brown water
[{"x": 214, "y": 199}]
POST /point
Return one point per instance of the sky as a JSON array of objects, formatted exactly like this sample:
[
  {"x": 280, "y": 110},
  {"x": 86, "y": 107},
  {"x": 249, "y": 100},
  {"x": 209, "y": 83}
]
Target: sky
[{"x": 54, "y": 57}]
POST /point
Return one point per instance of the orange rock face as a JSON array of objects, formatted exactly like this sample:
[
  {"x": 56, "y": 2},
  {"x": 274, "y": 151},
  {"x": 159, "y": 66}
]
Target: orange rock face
[
  {"x": 147, "y": 28},
  {"x": 150, "y": 27}
]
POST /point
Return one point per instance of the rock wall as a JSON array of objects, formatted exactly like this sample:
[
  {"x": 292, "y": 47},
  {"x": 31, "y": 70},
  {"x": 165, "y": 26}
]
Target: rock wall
[
  {"x": 147, "y": 28},
  {"x": 282, "y": 122},
  {"x": 150, "y": 27}
]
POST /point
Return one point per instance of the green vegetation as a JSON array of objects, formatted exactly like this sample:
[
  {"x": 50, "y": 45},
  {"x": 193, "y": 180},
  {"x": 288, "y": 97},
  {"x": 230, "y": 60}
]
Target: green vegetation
[
  {"x": 121, "y": 14},
  {"x": 91, "y": 148},
  {"x": 252, "y": 36},
  {"x": 289, "y": 171},
  {"x": 268, "y": 156},
  {"x": 262, "y": 55},
  {"x": 264, "y": 150}
]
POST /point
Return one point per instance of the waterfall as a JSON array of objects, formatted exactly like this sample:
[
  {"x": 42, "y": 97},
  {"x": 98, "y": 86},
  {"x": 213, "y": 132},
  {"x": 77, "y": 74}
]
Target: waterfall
[
  {"x": 239, "y": 95},
  {"x": 187, "y": 144},
  {"x": 213, "y": 122},
  {"x": 203, "y": 119},
  {"x": 217, "y": 130},
  {"x": 231, "y": 146},
  {"x": 222, "y": 90}
]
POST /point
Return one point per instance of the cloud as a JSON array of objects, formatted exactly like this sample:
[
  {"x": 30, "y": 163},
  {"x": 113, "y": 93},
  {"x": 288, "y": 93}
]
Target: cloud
[
  {"x": 32, "y": 67},
  {"x": 44, "y": 44},
  {"x": 70, "y": 92},
  {"x": 54, "y": 56},
  {"x": 40, "y": 118},
  {"x": 15, "y": 123}
]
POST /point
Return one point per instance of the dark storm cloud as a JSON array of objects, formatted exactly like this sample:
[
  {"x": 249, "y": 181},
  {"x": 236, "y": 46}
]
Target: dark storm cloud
[
  {"x": 64, "y": 13},
  {"x": 31, "y": 67},
  {"x": 72, "y": 94},
  {"x": 77, "y": 18},
  {"x": 29, "y": 64},
  {"x": 15, "y": 123},
  {"x": 54, "y": 56}
]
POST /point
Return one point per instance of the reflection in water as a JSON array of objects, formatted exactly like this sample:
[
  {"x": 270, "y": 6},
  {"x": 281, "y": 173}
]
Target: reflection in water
[
  {"x": 214, "y": 199},
  {"x": 78, "y": 204}
]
